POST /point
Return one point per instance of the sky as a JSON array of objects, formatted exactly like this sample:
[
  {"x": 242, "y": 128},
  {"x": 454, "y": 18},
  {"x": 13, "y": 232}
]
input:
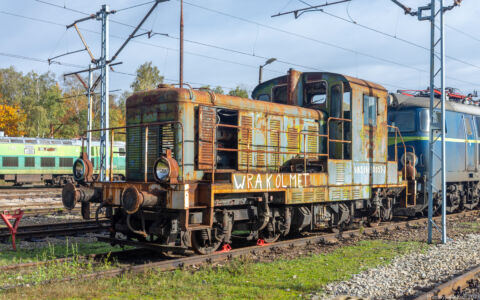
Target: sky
[{"x": 226, "y": 41}]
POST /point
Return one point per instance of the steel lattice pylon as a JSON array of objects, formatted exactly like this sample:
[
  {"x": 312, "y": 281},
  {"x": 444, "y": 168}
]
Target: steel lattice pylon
[
  {"x": 436, "y": 181},
  {"x": 104, "y": 97}
]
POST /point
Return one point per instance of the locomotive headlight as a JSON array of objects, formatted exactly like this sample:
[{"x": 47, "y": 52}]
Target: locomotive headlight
[
  {"x": 79, "y": 169},
  {"x": 411, "y": 157},
  {"x": 161, "y": 169}
]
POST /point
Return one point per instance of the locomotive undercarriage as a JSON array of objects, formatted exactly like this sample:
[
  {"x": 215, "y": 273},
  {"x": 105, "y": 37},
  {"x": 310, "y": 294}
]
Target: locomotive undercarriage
[
  {"x": 250, "y": 218},
  {"x": 460, "y": 196}
]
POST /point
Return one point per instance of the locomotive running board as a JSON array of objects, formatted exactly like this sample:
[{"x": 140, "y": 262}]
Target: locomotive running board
[{"x": 146, "y": 245}]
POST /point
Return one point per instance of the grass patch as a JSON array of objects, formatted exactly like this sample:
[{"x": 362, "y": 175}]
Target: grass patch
[
  {"x": 469, "y": 227},
  {"x": 237, "y": 280},
  {"x": 8, "y": 257},
  {"x": 53, "y": 270}
]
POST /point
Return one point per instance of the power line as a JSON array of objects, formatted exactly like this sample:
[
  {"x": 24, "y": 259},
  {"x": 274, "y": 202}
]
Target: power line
[
  {"x": 395, "y": 37},
  {"x": 274, "y": 29},
  {"x": 39, "y": 60},
  {"x": 140, "y": 42},
  {"x": 134, "y": 6},
  {"x": 462, "y": 32},
  {"x": 317, "y": 41}
]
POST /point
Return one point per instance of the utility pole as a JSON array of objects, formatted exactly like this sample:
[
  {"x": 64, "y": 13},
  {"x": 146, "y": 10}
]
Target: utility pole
[
  {"x": 104, "y": 94},
  {"x": 436, "y": 181},
  {"x": 181, "y": 44},
  {"x": 89, "y": 112},
  {"x": 103, "y": 64}
]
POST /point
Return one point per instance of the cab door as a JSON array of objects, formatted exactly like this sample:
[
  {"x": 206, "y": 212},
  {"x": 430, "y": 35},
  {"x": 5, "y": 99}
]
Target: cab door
[{"x": 470, "y": 151}]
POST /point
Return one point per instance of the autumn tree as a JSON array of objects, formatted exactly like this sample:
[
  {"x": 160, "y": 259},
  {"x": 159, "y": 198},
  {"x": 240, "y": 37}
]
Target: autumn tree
[
  {"x": 148, "y": 77},
  {"x": 10, "y": 119}
]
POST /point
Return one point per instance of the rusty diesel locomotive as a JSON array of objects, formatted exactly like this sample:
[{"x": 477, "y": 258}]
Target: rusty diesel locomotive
[{"x": 308, "y": 152}]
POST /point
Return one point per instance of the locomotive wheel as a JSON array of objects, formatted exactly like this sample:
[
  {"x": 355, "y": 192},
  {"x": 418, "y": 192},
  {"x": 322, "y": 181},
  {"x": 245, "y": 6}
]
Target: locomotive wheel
[
  {"x": 268, "y": 236},
  {"x": 204, "y": 245},
  {"x": 373, "y": 222}
]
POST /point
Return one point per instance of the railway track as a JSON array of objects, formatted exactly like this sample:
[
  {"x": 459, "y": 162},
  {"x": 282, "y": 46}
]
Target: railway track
[
  {"x": 34, "y": 193},
  {"x": 57, "y": 229},
  {"x": 464, "y": 286},
  {"x": 169, "y": 264}
]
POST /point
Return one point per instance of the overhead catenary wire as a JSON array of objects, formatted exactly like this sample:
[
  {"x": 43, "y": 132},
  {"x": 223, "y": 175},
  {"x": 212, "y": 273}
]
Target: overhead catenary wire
[
  {"x": 262, "y": 57},
  {"x": 268, "y": 27},
  {"x": 144, "y": 43}
]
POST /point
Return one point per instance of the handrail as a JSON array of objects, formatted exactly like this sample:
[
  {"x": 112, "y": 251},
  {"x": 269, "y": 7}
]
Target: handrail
[
  {"x": 335, "y": 140},
  {"x": 146, "y": 125},
  {"x": 248, "y": 150}
]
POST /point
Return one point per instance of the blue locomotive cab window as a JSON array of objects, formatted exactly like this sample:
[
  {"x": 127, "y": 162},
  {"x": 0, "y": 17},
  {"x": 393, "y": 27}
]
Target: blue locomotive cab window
[
  {"x": 404, "y": 120},
  {"x": 370, "y": 110},
  {"x": 425, "y": 120}
]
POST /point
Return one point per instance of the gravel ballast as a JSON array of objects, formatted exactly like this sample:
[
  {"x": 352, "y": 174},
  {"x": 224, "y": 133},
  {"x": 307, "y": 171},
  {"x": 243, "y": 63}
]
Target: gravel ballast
[{"x": 413, "y": 274}]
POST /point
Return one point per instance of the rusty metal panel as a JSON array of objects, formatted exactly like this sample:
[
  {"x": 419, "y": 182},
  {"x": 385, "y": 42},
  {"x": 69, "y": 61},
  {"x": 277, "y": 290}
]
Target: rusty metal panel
[
  {"x": 245, "y": 137},
  {"x": 260, "y": 141},
  {"x": 273, "y": 159},
  {"x": 306, "y": 195},
  {"x": 361, "y": 173},
  {"x": 206, "y": 125},
  {"x": 369, "y": 173},
  {"x": 379, "y": 173},
  {"x": 392, "y": 172},
  {"x": 339, "y": 172}
]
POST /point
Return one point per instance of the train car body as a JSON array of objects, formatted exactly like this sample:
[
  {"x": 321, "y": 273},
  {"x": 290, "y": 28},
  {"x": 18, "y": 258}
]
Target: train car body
[
  {"x": 412, "y": 117},
  {"x": 29, "y": 160},
  {"x": 308, "y": 152}
]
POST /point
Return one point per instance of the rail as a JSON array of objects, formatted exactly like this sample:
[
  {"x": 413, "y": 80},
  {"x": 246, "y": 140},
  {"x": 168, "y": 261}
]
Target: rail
[{"x": 146, "y": 127}]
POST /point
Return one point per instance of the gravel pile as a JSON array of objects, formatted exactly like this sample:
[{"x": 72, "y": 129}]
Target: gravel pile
[{"x": 412, "y": 274}]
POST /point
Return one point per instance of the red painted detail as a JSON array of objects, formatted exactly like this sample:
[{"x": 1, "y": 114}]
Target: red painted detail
[
  {"x": 17, "y": 216},
  {"x": 226, "y": 248},
  {"x": 261, "y": 242}
]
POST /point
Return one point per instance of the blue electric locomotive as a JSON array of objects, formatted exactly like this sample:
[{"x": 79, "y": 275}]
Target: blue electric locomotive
[{"x": 411, "y": 115}]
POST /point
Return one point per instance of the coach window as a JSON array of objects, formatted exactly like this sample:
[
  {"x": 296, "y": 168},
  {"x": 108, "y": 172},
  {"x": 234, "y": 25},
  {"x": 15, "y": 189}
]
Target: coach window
[
  {"x": 279, "y": 94},
  {"x": 370, "y": 110}
]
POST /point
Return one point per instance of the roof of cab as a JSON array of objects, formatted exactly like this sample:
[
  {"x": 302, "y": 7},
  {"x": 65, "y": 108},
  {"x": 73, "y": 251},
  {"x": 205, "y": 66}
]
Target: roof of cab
[{"x": 401, "y": 101}]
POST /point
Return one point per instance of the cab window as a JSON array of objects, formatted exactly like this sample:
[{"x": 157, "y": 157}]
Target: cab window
[
  {"x": 404, "y": 120},
  {"x": 316, "y": 93},
  {"x": 279, "y": 94},
  {"x": 370, "y": 110}
]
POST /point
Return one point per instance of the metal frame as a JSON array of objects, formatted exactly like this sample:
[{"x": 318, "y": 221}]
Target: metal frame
[{"x": 437, "y": 75}]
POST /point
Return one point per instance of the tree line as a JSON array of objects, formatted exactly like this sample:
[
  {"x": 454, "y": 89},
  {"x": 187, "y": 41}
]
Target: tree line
[{"x": 37, "y": 105}]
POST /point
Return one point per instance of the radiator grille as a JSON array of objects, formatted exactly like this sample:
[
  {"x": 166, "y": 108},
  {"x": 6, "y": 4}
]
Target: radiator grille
[
  {"x": 206, "y": 125},
  {"x": 312, "y": 141},
  {"x": 297, "y": 197},
  {"x": 320, "y": 194},
  {"x": 274, "y": 134},
  {"x": 340, "y": 173},
  {"x": 356, "y": 192},
  {"x": 244, "y": 143},
  {"x": 160, "y": 138}
]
